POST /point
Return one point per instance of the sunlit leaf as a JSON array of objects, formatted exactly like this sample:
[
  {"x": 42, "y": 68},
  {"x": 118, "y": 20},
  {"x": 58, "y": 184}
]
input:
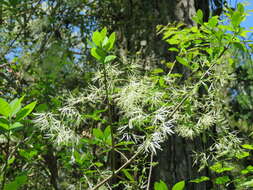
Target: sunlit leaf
[{"x": 5, "y": 108}]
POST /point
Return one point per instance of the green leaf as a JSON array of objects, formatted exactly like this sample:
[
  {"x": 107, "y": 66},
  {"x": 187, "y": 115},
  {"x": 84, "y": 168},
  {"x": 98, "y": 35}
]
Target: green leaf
[
  {"x": 11, "y": 186},
  {"x": 249, "y": 168},
  {"x": 173, "y": 49},
  {"x": 28, "y": 154},
  {"x": 15, "y": 106},
  {"x": 103, "y": 34},
  {"x": 4, "y": 124},
  {"x": 11, "y": 160},
  {"x": 212, "y": 22},
  {"x": 240, "y": 8},
  {"x": 98, "y": 164},
  {"x": 183, "y": 61},
  {"x": 247, "y": 146},
  {"x": 97, "y": 38},
  {"x": 105, "y": 43},
  {"x": 5, "y": 108},
  {"x": 242, "y": 155},
  {"x": 199, "y": 16},
  {"x": 98, "y": 133},
  {"x": 236, "y": 19},
  {"x": 42, "y": 108},
  {"x": 16, "y": 126},
  {"x": 222, "y": 180},
  {"x": 128, "y": 175},
  {"x": 160, "y": 185},
  {"x": 111, "y": 41},
  {"x": 109, "y": 58},
  {"x": 95, "y": 54},
  {"x": 200, "y": 179},
  {"x": 218, "y": 168},
  {"x": 125, "y": 143},
  {"x": 101, "y": 53},
  {"x": 107, "y": 131},
  {"x": 175, "y": 75},
  {"x": 24, "y": 112},
  {"x": 179, "y": 185},
  {"x": 18, "y": 182},
  {"x": 157, "y": 71}
]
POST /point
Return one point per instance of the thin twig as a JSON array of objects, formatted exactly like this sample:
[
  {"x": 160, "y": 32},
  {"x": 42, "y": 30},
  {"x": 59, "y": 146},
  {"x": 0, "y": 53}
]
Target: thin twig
[
  {"x": 118, "y": 170},
  {"x": 121, "y": 153},
  {"x": 150, "y": 170}
]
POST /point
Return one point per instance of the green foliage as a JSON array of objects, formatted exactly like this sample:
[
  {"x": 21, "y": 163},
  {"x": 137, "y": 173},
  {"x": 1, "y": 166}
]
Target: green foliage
[
  {"x": 160, "y": 185},
  {"x": 101, "y": 45},
  {"x": 18, "y": 182},
  {"x": 218, "y": 168},
  {"x": 97, "y": 122},
  {"x": 11, "y": 119},
  {"x": 200, "y": 179},
  {"x": 12, "y": 114},
  {"x": 179, "y": 186}
]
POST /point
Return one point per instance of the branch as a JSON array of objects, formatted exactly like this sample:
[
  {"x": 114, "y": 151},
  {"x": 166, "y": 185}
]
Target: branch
[
  {"x": 150, "y": 170},
  {"x": 118, "y": 170},
  {"x": 172, "y": 113}
]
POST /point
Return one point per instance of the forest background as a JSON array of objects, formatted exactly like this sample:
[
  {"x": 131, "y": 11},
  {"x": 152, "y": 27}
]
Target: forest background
[{"x": 125, "y": 94}]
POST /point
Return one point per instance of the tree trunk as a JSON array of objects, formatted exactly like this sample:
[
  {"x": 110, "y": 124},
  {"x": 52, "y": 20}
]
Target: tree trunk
[{"x": 135, "y": 22}]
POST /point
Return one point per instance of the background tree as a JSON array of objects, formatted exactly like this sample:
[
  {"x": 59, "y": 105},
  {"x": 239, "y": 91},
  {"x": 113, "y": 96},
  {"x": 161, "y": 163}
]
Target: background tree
[{"x": 45, "y": 55}]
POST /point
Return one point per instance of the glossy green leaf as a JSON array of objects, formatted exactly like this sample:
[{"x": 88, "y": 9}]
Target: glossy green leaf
[
  {"x": 179, "y": 185},
  {"x": 103, "y": 34},
  {"x": 105, "y": 42},
  {"x": 5, "y": 108},
  {"x": 157, "y": 71},
  {"x": 107, "y": 131},
  {"x": 111, "y": 41},
  {"x": 212, "y": 22},
  {"x": 236, "y": 19},
  {"x": 24, "y": 112},
  {"x": 4, "y": 124},
  {"x": 199, "y": 16},
  {"x": 160, "y": 185},
  {"x": 218, "y": 168},
  {"x": 98, "y": 133},
  {"x": 247, "y": 146},
  {"x": 173, "y": 49},
  {"x": 11, "y": 160},
  {"x": 16, "y": 126},
  {"x": 242, "y": 155},
  {"x": 240, "y": 8},
  {"x": 15, "y": 106},
  {"x": 128, "y": 175},
  {"x": 95, "y": 54},
  {"x": 183, "y": 61},
  {"x": 109, "y": 58},
  {"x": 222, "y": 180},
  {"x": 101, "y": 53},
  {"x": 98, "y": 164},
  {"x": 97, "y": 38},
  {"x": 200, "y": 179}
]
